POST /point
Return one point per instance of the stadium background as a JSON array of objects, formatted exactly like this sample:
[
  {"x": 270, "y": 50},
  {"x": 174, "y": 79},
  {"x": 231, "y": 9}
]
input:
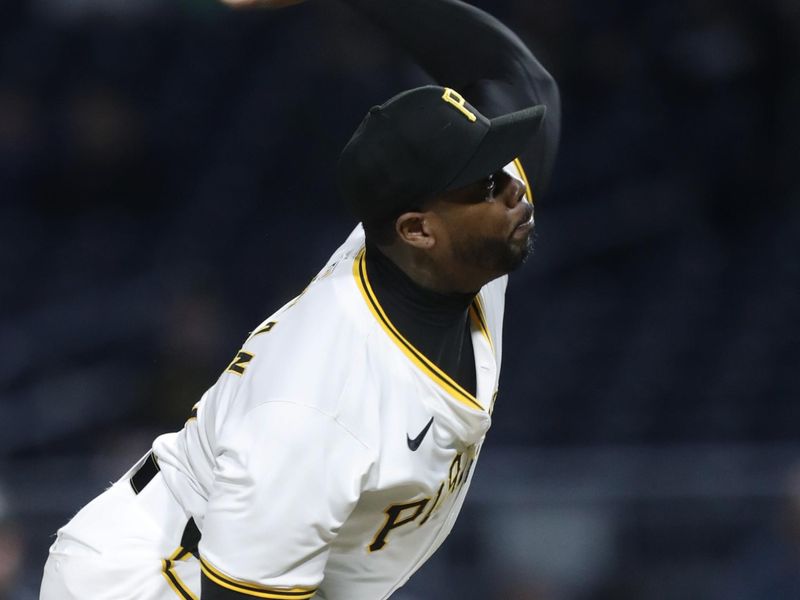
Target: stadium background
[{"x": 166, "y": 176}]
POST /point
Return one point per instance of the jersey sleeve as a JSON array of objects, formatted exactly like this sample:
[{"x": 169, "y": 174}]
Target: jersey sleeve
[
  {"x": 286, "y": 478},
  {"x": 465, "y": 48}
]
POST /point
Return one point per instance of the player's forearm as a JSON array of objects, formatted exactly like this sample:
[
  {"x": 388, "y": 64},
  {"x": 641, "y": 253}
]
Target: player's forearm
[
  {"x": 460, "y": 46},
  {"x": 467, "y": 49}
]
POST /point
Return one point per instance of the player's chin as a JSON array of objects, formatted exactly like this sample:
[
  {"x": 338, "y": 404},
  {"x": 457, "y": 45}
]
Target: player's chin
[
  {"x": 515, "y": 255},
  {"x": 519, "y": 250}
]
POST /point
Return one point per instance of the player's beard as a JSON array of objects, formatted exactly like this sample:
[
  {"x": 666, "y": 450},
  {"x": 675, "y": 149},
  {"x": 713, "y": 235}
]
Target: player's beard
[{"x": 496, "y": 255}]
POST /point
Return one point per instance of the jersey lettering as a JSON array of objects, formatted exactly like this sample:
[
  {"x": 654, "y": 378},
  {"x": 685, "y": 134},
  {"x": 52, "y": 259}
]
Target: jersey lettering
[
  {"x": 397, "y": 515},
  {"x": 266, "y": 328},
  {"x": 239, "y": 364},
  {"x": 433, "y": 506},
  {"x": 455, "y": 471}
]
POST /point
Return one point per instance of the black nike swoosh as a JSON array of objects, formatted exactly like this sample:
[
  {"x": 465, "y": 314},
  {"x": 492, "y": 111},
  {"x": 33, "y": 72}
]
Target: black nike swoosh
[{"x": 414, "y": 444}]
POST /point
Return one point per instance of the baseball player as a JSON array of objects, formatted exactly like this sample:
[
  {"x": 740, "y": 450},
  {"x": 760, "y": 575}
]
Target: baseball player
[{"x": 332, "y": 456}]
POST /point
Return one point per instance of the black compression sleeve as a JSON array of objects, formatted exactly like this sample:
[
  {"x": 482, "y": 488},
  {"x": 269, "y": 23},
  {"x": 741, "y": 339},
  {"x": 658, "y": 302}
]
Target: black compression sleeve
[{"x": 463, "y": 47}]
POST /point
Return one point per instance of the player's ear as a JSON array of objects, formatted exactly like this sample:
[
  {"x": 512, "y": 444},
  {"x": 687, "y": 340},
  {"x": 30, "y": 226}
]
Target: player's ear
[{"x": 415, "y": 229}]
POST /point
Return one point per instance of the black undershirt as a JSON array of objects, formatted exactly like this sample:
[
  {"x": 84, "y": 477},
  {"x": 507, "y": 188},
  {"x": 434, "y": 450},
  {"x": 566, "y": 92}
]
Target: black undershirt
[{"x": 436, "y": 324}]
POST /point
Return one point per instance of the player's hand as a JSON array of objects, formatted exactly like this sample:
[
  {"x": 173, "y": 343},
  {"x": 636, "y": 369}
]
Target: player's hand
[{"x": 272, "y": 4}]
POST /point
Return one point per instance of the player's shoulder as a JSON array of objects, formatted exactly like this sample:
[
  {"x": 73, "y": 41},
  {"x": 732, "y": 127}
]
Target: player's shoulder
[
  {"x": 316, "y": 342},
  {"x": 328, "y": 295}
]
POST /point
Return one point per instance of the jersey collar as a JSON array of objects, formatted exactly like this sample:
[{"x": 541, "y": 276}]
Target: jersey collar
[{"x": 414, "y": 354}]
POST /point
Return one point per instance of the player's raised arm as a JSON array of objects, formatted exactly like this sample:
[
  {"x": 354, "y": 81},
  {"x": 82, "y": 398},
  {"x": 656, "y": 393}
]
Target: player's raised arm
[
  {"x": 465, "y": 48},
  {"x": 272, "y": 4}
]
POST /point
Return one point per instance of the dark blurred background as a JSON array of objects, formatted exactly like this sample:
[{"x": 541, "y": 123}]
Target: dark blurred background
[{"x": 166, "y": 182}]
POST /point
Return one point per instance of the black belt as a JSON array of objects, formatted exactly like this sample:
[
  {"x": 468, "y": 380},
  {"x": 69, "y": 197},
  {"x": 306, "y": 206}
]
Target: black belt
[{"x": 143, "y": 475}]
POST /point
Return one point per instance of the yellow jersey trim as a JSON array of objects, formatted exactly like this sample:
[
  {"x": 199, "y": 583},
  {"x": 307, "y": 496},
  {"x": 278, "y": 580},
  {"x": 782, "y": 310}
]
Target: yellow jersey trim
[
  {"x": 416, "y": 357},
  {"x": 476, "y": 313},
  {"x": 528, "y": 189},
  {"x": 175, "y": 582},
  {"x": 251, "y": 589}
]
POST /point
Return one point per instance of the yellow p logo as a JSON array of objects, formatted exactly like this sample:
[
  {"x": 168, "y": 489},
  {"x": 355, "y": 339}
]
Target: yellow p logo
[{"x": 453, "y": 97}]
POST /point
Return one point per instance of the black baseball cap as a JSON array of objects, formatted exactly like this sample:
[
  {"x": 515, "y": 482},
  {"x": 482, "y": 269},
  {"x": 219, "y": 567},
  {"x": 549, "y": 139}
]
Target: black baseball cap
[{"x": 423, "y": 142}]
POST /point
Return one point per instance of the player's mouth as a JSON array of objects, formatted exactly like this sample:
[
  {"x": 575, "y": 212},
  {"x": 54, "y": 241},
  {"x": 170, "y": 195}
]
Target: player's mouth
[{"x": 525, "y": 225}]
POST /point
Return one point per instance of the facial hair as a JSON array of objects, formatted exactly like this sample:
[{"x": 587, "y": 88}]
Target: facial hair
[{"x": 494, "y": 254}]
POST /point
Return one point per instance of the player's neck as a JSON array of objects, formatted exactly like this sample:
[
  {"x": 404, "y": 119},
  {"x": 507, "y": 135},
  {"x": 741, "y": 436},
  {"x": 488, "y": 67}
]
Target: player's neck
[
  {"x": 420, "y": 268},
  {"x": 394, "y": 281}
]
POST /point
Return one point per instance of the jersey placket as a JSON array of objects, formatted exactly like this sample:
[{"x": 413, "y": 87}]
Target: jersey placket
[{"x": 485, "y": 364}]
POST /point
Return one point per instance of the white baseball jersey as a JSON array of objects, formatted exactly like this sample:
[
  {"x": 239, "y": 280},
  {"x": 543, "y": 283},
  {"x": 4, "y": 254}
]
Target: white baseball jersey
[
  {"x": 298, "y": 468},
  {"x": 329, "y": 461}
]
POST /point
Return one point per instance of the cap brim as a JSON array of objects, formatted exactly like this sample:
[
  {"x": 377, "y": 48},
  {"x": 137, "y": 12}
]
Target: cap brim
[{"x": 507, "y": 138}]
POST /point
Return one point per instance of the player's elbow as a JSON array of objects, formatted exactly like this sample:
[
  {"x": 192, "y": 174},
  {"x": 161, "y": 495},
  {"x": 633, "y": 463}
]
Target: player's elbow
[{"x": 551, "y": 96}]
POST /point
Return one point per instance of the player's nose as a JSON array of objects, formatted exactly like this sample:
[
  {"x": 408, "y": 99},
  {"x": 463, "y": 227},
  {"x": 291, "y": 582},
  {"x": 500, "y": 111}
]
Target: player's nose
[{"x": 515, "y": 192}]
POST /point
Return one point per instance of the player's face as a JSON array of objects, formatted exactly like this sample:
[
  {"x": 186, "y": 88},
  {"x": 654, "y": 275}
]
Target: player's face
[{"x": 486, "y": 227}]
